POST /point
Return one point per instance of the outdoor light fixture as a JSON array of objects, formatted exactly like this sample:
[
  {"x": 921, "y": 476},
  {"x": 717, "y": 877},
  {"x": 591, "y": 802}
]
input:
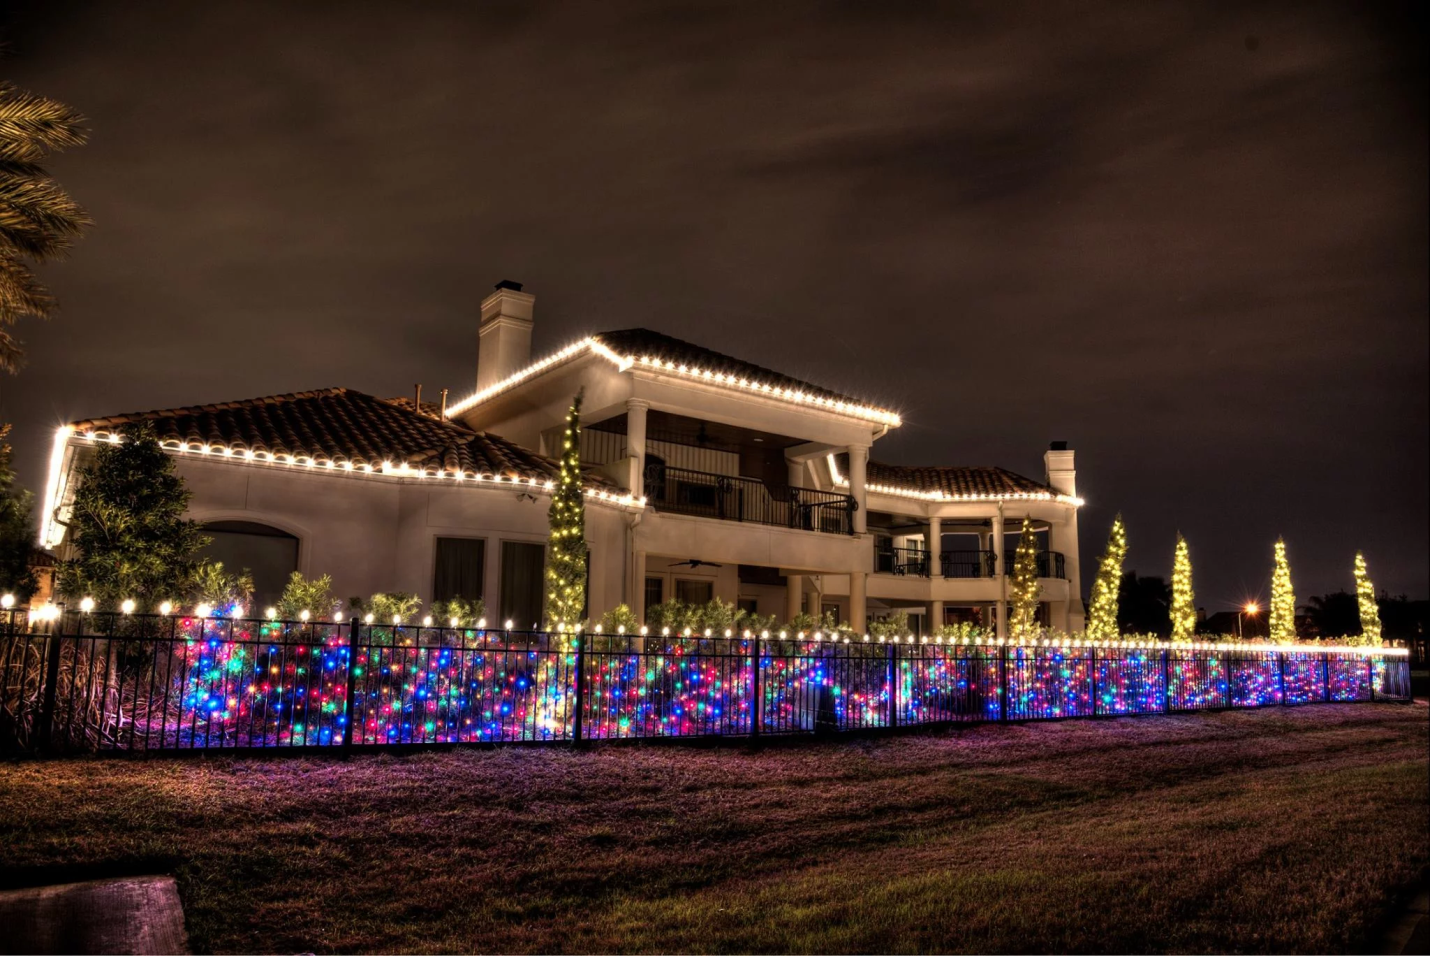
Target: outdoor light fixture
[{"x": 127, "y": 606}]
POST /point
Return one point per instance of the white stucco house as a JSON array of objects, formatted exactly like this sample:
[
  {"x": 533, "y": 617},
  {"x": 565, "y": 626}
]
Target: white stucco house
[{"x": 707, "y": 476}]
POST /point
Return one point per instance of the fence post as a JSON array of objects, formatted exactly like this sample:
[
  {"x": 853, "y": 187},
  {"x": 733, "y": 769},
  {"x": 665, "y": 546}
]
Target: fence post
[
  {"x": 577, "y": 720},
  {"x": 1281, "y": 662},
  {"x": 52, "y": 679},
  {"x": 755, "y": 695},
  {"x": 1003, "y": 682},
  {"x": 1096, "y": 697},
  {"x": 1370, "y": 672},
  {"x": 893, "y": 679},
  {"x": 352, "y": 685},
  {"x": 1326, "y": 677},
  {"x": 1166, "y": 679}
]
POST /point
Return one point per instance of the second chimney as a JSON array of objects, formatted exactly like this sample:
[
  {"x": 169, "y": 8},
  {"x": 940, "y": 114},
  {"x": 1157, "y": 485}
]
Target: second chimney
[{"x": 505, "y": 335}]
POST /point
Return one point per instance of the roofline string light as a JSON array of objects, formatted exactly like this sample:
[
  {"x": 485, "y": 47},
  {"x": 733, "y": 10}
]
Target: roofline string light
[
  {"x": 592, "y": 344},
  {"x": 247, "y": 456},
  {"x": 920, "y": 495}
]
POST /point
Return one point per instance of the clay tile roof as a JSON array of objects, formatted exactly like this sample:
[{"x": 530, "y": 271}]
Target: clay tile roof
[
  {"x": 640, "y": 342},
  {"x": 982, "y": 480},
  {"x": 339, "y": 425}
]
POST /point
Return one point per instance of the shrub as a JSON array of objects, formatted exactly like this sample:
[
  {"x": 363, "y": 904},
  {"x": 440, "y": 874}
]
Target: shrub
[
  {"x": 314, "y": 596},
  {"x": 214, "y": 586},
  {"x": 618, "y": 617},
  {"x": 896, "y": 625},
  {"x": 465, "y": 613},
  {"x": 386, "y": 605}
]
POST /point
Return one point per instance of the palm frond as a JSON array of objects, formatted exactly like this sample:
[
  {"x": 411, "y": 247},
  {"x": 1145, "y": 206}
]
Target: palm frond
[
  {"x": 21, "y": 294},
  {"x": 31, "y": 126},
  {"x": 12, "y": 356}
]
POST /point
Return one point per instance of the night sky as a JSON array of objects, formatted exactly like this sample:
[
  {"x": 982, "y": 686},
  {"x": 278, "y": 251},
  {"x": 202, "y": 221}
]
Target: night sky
[{"x": 1192, "y": 242}]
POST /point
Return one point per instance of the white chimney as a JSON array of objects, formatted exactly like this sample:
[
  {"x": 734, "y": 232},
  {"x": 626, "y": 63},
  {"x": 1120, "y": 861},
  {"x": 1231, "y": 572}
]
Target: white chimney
[
  {"x": 505, "y": 343},
  {"x": 1058, "y": 464}
]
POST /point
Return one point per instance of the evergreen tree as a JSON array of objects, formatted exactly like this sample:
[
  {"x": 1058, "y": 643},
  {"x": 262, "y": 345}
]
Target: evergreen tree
[
  {"x": 1369, "y": 610},
  {"x": 1025, "y": 586},
  {"x": 38, "y": 219},
  {"x": 1102, "y": 614},
  {"x": 1282, "y": 616},
  {"x": 17, "y": 537},
  {"x": 566, "y": 552},
  {"x": 128, "y": 528},
  {"x": 1184, "y": 612}
]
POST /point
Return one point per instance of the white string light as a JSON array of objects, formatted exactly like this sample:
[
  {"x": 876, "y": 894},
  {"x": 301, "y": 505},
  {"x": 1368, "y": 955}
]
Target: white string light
[
  {"x": 594, "y": 345},
  {"x": 921, "y": 495}
]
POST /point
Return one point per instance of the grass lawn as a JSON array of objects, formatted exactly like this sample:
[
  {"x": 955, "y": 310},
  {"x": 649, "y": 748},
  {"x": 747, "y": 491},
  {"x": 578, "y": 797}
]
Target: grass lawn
[{"x": 1273, "y": 830}]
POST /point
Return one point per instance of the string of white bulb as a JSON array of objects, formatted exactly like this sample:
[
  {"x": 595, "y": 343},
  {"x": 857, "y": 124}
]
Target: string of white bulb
[
  {"x": 399, "y": 471},
  {"x": 50, "y": 612},
  {"x": 940, "y": 495},
  {"x": 711, "y": 376}
]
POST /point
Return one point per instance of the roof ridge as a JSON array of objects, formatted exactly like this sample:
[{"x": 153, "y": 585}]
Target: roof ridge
[{"x": 224, "y": 406}]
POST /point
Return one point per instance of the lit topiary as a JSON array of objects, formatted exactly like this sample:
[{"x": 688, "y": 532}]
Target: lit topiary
[
  {"x": 1282, "y": 619},
  {"x": 1025, "y": 585},
  {"x": 1102, "y": 614},
  {"x": 1365, "y": 598},
  {"x": 566, "y": 552},
  {"x": 1184, "y": 613}
]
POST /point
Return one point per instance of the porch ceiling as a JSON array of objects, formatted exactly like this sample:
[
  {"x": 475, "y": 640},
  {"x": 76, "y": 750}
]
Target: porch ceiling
[{"x": 683, "y": 430}]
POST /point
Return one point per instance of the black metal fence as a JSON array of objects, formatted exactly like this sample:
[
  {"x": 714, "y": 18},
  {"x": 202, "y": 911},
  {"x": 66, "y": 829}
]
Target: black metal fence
[{"x": 122, "y": 683}]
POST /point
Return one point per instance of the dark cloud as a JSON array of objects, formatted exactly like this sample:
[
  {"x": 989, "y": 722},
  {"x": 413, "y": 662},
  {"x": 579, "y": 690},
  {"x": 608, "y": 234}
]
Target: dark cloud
[{"x": 1199, "y": 259}]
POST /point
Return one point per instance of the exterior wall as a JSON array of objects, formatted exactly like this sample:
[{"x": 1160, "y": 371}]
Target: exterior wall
[{"x": 380, "y": 535}]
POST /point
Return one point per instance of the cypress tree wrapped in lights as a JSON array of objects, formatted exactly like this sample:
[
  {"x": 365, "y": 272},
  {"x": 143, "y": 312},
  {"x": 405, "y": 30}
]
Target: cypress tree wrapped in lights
[
  {"x": 1365, "y": 598},
  {"x": 566, "y": 553},
  {"x": 1102, "y": 615},
  {"x": 1282, "y": 618},
  {"x": 1184, "y": 613},
  {"x": 1024, "y": 585}
]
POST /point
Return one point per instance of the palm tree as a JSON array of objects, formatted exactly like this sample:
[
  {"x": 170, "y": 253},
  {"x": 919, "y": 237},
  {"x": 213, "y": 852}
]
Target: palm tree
[{"x": 38, "y": 219}]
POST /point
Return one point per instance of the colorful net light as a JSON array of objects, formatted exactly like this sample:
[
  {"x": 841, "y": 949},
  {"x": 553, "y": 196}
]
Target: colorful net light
[{"x": 216, "y": 683}]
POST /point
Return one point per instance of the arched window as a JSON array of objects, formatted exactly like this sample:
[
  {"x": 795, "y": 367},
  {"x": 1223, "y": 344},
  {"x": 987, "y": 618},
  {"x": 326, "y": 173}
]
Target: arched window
[{"x": 269, "y": 554}]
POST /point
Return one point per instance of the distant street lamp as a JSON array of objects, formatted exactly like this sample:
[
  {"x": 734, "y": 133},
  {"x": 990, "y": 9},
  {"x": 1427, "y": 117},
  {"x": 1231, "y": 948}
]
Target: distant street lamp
[{"x": 1251, "y": 608}]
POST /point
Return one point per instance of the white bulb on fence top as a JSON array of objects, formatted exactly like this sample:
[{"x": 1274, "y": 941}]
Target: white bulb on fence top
[
  {"x": 644, "y": 630},
  {"x": 7, "y": 601},
  {"x": 165, "y": 608},
  {"x": 620, "y": 629},
  {"x": 337, "y": 617},
  {"x": 203, "y": 610},
  {"x": 397, "y": 619},
  {"x": 481, "y": 623},
  {"x": 270, "y": 613},
  {"x": 128, "y": 606},
  {"x": 427, "y": 621},
  {"x": 368, "y": 619},
  {"x": 453, "y": 622},
  {"x": 87, "y": 605},
  {"x": 303, "y": 614},
  {"x": 508, "y": 624}
]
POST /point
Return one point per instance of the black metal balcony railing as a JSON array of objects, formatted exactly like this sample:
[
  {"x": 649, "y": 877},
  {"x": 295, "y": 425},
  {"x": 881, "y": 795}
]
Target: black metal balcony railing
[
  {"x": 962, "y": 564},
  {"x": 728, "y": 498}
]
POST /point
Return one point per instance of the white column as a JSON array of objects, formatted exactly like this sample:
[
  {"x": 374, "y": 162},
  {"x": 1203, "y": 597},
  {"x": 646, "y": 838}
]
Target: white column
[
  {"x": 858, "y": 466},
  {"x": 635, "y": 445},
  {"x": 794, "y": 595},
  {"x": 935, "y": 616},
  {"x": 935, "y": 546},
  {"x": 1001, "y": 608},
  {"x": 858, "y": 607}
]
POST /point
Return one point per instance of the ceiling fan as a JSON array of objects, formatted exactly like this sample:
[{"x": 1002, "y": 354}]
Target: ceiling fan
[{"x": 697, "y": 563}]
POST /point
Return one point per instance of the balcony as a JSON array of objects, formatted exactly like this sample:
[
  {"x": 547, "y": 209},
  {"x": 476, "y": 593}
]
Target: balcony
[
  {"x": 729, "y": 498},
  {"x": 913, "y": 562}
]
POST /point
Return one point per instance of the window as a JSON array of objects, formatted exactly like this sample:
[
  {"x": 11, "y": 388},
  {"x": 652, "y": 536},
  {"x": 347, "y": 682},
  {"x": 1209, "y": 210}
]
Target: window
[
  {"x": 694, "y": 592},
  {"x": 750, "y": 606},
  {"x": 654, "y": 592},
  {"x": 522, "y": 567},
  {"x": 267, "y": 553},
  {"x": 459, "y": 568}
]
